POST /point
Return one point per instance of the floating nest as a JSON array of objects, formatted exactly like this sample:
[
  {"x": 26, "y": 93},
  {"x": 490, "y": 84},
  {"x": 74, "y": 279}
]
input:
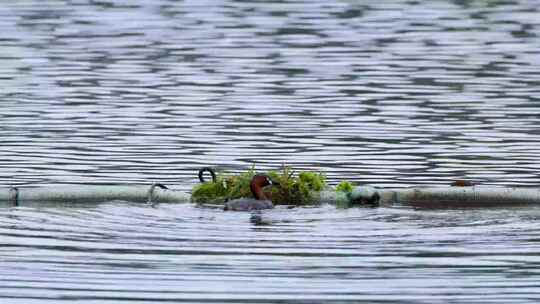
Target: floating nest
[{"x": 289, "y": 187}]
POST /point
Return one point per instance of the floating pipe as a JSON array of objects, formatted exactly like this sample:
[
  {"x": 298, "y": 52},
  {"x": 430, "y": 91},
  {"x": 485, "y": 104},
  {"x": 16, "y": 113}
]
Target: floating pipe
[
  {"x": 449, "y": 197},
  {"x": 92, "y": 194},
  {"x": 419, "y": 197}
]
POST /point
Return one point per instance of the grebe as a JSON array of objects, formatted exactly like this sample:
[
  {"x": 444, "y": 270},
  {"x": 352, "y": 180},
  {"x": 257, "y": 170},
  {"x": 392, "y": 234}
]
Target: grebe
[{"x": 260, "y": 200}]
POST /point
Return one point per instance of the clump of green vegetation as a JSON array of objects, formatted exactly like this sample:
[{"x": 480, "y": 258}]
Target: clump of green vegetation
[
  {"x": 224, "y": 188},
  {"x": 210, "y": 192},
  {"x": 344, "y": 186},
  {"x": 238, "y": 185},
  {"x": 288, "y": 188},
  {"x": 300, "y": 190}
]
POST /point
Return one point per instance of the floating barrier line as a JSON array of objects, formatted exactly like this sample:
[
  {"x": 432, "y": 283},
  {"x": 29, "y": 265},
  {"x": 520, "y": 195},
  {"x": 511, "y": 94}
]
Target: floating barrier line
[{"x": 421, "y": 197}]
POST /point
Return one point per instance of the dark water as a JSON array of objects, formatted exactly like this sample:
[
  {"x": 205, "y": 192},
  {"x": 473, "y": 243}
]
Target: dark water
[{"x": 392, "y": 93}]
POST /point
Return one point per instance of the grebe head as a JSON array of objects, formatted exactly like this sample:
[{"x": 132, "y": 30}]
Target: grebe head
[{"x": 258, "y": 182}]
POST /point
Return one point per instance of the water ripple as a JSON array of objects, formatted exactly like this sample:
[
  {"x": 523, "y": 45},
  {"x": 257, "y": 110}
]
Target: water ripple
[{"x": 183, "y": 253}]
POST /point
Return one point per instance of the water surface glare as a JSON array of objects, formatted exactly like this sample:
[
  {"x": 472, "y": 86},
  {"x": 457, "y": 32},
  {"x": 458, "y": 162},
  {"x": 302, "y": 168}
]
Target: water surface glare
[{"x": 391, "y": 93}]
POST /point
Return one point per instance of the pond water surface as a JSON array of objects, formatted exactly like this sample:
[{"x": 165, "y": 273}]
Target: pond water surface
[{"x": 390, "y": 93}]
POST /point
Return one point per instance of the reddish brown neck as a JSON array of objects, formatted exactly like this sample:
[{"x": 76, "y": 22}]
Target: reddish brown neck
[
  {"x": 259, "y": 194},
  {"x": 256, "y": 186}
]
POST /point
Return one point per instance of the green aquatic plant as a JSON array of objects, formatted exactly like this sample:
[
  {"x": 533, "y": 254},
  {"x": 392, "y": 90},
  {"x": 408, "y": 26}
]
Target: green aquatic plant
[
  {"x": 314, "y": 181},
  {"x": 344, "y": 186},
  {"x": 223, "y": 188},
  {"x": 238, "y": 185},
  {"x": 210, "y": 192},
  {"x": 296, "y": 190},
  {"x": 288, "y": 187}
]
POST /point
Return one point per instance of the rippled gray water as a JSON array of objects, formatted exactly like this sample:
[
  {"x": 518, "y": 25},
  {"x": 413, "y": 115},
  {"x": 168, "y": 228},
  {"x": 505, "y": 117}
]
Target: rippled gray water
[{"x": 392, "y": 93}]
